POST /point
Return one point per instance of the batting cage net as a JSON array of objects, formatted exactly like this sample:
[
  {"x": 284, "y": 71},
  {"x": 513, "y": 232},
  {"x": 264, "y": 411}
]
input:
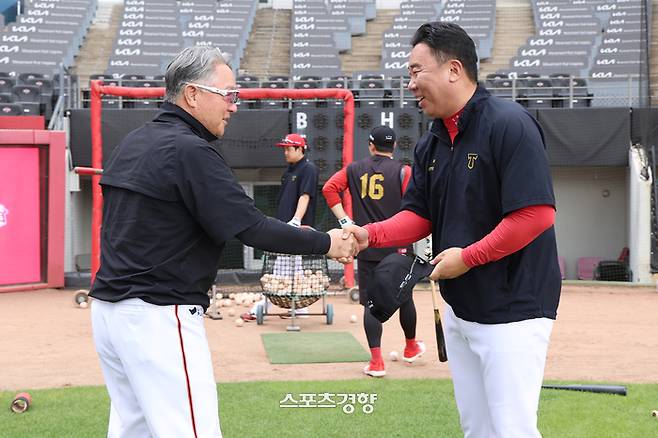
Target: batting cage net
[{"x": 240, "y": 264}]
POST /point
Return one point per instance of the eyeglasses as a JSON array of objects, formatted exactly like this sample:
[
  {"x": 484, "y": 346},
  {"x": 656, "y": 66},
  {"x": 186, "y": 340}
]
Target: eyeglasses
[{"x": 230, "y": 96}]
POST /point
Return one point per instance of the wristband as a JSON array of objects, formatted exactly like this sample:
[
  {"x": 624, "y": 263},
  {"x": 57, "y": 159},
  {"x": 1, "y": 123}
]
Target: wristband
[{"x": 346, "y": 221}]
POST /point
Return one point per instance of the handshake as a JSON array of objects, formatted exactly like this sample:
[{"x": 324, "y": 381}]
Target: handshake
[{"x": 347, "y": 242}]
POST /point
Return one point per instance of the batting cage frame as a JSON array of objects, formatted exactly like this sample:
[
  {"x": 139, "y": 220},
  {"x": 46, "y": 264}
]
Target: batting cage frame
[{"x": 98, "y": 90}]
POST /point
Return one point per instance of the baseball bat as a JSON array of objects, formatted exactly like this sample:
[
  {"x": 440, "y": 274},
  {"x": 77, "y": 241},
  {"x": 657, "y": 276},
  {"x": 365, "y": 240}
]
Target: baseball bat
[
  {"x": 440, "y": 340},
  {"x": 602, "y": 389}
]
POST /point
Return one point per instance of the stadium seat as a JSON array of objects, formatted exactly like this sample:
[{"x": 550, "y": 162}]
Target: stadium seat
[
  {"x": 6, "y": 98},
  {"x": 501, "y": 88},
  {"x": 245, "y": 84},
  {"x": 528, "y": 76},
  {"x": 46, "y": 91},
  {"x": 307, "y": 84},
  {"x": 132, "y": 77},
  {"x": 559, "y": 75},
  {"x": 111, "y": 102},
  {"x": 368, "y": 76},
  {"x": 247, "y": 81},
  {"x": 336, "y": 83},
  {"x": 279, "y": 78},
  {"x": 29, "y": 97},
  {"x": 11, "y": 109},
  {"x": 6, "y": 84},
  {"x": 107, "y": 79},
  {"x": 310, "y": 78},
  {"x": 586, "y": 266},
  {"x": 538, "y": 92},
  {"x": 275, "y": 84},
  {"x": 247, "y": 78},
  {"x": 24, "y": 77},
  {"x": 576, "y": 88},
  {"x": 497, "y": 76}
]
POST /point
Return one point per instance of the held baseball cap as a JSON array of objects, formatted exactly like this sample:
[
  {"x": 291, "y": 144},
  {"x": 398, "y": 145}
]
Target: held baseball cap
[
  {"x": 382, "y": 136},
  {"x": 392, "y": 283},
  {"x": 294, "y": 140}
]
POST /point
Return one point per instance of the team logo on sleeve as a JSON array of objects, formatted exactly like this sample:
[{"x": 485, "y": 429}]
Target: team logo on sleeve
[
  {"x": 3, "y": 215},
  {"x": 471, "y": 161},
  {"x": 293, "y": 178},
  {"x": 431, "y": 166}
]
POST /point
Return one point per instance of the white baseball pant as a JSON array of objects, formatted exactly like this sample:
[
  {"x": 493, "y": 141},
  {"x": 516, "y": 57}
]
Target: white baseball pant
[
  {"x": 497, "y": 372},
  {"x": 157, "y": 369}
]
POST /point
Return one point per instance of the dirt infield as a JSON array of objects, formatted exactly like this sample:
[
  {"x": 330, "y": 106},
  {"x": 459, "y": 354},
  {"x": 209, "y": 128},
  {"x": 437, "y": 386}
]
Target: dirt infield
[{"x": 601, "y": 334}]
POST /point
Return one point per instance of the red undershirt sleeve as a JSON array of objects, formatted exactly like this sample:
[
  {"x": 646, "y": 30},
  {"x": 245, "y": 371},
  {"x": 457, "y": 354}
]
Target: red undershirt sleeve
[
  {"x": 514, "y": 232},
  {"x": 334, "y": 186},
  {"x": 405, "y": 228}
]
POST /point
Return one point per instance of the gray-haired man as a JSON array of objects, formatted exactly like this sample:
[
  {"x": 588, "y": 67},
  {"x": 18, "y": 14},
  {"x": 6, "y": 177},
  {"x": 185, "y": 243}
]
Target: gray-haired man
[{"x": 171, "y": 203}]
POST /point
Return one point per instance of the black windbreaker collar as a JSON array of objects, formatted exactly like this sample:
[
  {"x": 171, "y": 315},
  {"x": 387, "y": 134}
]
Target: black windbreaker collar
[
  {"x": 481, "y": 93},
  {"x": 170, "y": 110}
]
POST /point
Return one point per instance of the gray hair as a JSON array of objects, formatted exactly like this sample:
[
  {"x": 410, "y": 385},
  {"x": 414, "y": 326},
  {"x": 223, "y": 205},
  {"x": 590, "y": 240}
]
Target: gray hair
[{"x": 192, "y": 64}]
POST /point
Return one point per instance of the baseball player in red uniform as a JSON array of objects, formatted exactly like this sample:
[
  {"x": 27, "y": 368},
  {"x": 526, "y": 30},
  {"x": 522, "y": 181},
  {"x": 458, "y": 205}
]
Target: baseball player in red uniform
[
  {"x": 376, "y": 184},
  {"x": 481, "y": 183}
]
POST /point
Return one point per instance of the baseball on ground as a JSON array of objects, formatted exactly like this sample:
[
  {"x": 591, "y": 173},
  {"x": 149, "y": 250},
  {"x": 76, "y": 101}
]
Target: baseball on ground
[
  {"x": 239, "y": 322},
  {"x": 353, "y": 318},
  {"x": 393, "y": 355}
]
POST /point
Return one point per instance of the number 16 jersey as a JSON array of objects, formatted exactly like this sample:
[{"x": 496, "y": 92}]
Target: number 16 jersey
[{"x": 376, "y": 186}]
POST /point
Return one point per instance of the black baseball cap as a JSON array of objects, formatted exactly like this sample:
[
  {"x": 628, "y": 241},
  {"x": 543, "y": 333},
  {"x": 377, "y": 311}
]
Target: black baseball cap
[
  {"x": 383, "y": 137},
  {"x": 393, "y": 281}
]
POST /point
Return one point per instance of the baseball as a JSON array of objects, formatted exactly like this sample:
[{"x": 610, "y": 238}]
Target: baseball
[
  {"x": 353, "y": 318},
  {"x": 83, "y": 305},
  {"x": 239, "y": 322},
  {"x": 393, "y": 355},
  {"x": 654, "y": 413},
  {"x": 231, "y": 312}
]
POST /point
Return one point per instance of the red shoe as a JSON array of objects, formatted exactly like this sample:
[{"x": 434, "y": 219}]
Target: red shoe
[
  {"x": 375, "y": 369},
  {"x": 248, "y": 317},
  {"x": 413, "y": 353}
]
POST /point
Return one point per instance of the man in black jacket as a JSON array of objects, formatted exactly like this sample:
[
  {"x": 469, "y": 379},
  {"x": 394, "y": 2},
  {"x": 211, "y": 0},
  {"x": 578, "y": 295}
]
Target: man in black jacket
[{"x": 170, "y": 204}]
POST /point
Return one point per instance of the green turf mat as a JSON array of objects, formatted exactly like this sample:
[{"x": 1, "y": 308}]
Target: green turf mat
[{"x": 310, "y": 347}]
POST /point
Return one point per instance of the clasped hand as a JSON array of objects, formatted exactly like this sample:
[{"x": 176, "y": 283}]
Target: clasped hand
[{"x": 351, "y": 238}]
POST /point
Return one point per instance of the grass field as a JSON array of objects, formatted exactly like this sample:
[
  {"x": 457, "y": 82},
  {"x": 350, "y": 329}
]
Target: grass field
[{"x": 404, "y": 408}]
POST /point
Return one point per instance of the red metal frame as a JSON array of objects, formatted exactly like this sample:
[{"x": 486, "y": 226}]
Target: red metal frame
[
  {"x": 56, "y": 143},
  {"x": 98, "y": 90}
]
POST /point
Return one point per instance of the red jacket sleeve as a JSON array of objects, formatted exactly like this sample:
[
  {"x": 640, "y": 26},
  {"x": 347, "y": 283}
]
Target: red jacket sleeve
[
  {"x": 334, "y": 187},
  {"x": 514, "y": 232},
  {"x": 405, "y": 228}
]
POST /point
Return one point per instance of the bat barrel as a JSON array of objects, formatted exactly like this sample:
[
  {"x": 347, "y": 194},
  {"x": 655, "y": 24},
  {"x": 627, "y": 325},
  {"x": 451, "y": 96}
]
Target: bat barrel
[{"x": 603, "y": 389}]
